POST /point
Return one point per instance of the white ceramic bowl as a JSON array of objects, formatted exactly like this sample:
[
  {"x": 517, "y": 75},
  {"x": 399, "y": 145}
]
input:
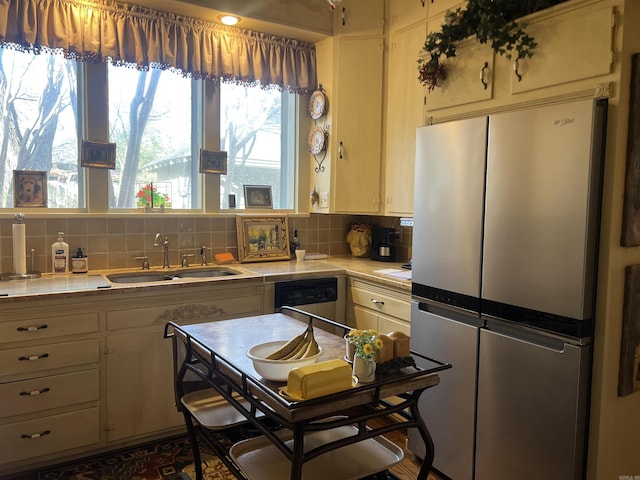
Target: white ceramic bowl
[{"x": 276, "y": 370}]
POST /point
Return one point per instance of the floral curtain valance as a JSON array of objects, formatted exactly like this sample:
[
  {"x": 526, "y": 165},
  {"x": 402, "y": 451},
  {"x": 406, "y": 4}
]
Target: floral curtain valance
[{"x": 102, "y": 30}]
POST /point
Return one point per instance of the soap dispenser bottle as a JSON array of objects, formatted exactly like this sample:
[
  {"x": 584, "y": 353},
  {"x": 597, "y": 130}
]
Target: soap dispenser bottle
[{"x": 60, "y": 255}]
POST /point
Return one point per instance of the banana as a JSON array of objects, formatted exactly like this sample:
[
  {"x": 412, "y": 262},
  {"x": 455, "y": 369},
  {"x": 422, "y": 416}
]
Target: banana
[
  {"x": 313, "y": 348},
  {"x": 299, "y": 350},
  {"x": 300, "y": 346},
  {"x": 288, "y": 347}
]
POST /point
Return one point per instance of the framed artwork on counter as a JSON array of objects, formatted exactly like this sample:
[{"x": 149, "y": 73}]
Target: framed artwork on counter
[{"x": 262, "y": 238}]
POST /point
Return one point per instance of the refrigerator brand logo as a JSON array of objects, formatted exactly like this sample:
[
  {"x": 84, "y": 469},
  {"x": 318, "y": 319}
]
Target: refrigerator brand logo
[
  {"x": 628, "y": 477},
  {"x": 561, "y": 122}
]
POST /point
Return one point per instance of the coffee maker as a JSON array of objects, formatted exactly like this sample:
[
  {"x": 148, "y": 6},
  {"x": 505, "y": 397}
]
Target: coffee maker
[{"x": 383, "y": 240}]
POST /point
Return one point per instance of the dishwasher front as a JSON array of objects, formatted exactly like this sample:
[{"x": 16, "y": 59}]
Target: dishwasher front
[{"x": 322, "y": 296}]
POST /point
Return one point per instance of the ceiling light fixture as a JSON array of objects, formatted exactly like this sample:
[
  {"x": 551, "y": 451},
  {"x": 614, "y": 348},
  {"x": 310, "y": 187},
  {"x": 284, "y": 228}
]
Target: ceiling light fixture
[{"x": 228, "y": 19}]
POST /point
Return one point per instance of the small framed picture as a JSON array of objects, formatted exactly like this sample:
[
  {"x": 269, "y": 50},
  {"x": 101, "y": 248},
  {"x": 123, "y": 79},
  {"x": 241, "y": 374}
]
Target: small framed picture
[
  {"x": 29, "y": 188},
  {"x": 213, "y": 162},
  {"x": 98, "y": 155},
  {"x": 262, "y": 238},
  {"x": 257, "y": 196}
]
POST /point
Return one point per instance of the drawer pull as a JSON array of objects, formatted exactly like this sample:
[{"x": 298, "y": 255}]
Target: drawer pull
[
  {"x": 35, "y": 392},
  {"x": 377, "y": 302},
  {"x": 32, "y": 328},
  {"x": 33, "y": 357},
  {"x": 35, "y": 435}
]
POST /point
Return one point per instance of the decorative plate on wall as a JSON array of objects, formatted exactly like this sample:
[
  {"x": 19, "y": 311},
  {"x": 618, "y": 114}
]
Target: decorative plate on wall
[
  {"x": 317, "y": 104},
  {"x": 317, "y": 140}
]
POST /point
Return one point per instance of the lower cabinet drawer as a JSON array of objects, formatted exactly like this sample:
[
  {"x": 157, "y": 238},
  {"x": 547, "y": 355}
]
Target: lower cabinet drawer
[
  {"x": 46, "y": 357},
  {"x": 382, "y": 302},
  {"x": 49, "y": 392},
  {"x": 47, "y": 435}
]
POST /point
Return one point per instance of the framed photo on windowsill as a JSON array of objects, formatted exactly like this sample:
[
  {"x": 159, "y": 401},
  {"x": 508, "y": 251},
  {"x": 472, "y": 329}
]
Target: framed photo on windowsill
[
  {"x": 98, "y": 155},
  {"x": 257, "y": 196},
  {"x": 29, "y": 188},
  {"x": 213, "y": 162},
  {"x": 262, "y": 238}
]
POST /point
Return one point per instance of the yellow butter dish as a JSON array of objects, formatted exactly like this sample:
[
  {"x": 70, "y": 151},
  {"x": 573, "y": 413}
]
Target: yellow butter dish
[{"x": 318, "y": 379}]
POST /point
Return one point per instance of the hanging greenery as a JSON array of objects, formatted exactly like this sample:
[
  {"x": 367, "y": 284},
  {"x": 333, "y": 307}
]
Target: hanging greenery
[{"x": 491, "y": 21}]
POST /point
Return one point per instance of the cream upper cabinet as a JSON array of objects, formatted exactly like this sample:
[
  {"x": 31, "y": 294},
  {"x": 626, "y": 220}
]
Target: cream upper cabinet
[
  {"x": 439, "y": 7},
  {"x": 403, "y": 13},
  {"x": 350, "y": 69},
  {"x": 573, "y": 56},
  {"x": 469, "y": 74},
  {"x": 405, "y": 105},
  {"x": 573, "y": 44},
  {"x": 359, "y": 17}
]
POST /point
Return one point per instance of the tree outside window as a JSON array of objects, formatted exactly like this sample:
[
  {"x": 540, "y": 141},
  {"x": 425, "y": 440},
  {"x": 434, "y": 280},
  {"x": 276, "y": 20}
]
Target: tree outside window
[
  {"x": 39, "y": 126},
  {"x": 255, "y": 131},
  {"x": 150, "y": 120}
]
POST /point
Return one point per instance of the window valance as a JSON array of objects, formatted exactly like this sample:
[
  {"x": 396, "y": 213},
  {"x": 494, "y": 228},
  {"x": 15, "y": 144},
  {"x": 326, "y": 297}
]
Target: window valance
[{"x": 106, "y": 30}]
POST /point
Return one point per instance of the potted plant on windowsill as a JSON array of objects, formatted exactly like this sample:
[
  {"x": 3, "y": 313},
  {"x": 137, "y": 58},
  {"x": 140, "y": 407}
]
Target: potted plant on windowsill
[{"x": 148, "y": 197}]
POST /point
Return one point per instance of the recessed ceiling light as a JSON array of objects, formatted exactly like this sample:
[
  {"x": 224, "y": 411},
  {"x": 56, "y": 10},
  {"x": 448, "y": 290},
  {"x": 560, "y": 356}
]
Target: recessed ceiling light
[{"x": 228, "y": 19}]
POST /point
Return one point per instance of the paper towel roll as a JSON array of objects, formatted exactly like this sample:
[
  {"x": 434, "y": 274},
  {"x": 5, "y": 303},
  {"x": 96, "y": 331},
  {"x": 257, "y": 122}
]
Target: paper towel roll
[{"x": 19, "y": 249}]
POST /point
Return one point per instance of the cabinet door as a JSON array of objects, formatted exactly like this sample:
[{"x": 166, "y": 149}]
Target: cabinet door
[
  {"x": 140, "y": 391},
  {"x": 359, "y": 17},
  {"x": 365, "y": 319},
  {"x": 390, "y": 324},
  {"x": 439, "y": 7},
  {"x": 572, "y": 45},
  {"x": 403, "y": 13},
  {"x": 405, "y": 103},
  {"x": 357, "y": 123}
]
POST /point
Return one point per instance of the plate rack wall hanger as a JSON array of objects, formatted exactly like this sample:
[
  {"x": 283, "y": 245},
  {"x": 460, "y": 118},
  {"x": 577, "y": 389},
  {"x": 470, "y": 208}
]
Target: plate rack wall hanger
[{"x": 319, "y": 134}]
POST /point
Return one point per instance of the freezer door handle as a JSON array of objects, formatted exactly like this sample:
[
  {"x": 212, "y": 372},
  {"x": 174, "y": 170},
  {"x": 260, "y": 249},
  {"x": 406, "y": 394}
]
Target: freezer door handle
[{"x": 533, "y": 337}]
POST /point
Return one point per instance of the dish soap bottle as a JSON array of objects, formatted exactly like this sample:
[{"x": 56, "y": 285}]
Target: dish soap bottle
[{"x": 60, "y": 255}]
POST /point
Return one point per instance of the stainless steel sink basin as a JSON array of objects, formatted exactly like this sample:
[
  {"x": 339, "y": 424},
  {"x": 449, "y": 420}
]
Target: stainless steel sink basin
[
  {"x": 142, "y": 278},
  {"x": 207, "y": 272},
  {"x": 148, "y": 277}
]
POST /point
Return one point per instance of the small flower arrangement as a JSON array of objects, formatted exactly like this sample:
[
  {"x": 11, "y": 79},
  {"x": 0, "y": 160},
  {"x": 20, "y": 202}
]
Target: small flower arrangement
[
  {"x": 148, "y": 196},
  {"x": 366, "y": 342}
]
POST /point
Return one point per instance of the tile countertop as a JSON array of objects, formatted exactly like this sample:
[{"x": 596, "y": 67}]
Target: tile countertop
[{"x": 96, "y": 283}]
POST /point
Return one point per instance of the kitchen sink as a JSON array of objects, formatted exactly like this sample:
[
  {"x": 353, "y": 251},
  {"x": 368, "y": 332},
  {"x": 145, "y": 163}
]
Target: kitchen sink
[
  {"x": 142, "y": 278},
  {"x": 207, "y": 272},
  {"x": 148, "y": 277}
]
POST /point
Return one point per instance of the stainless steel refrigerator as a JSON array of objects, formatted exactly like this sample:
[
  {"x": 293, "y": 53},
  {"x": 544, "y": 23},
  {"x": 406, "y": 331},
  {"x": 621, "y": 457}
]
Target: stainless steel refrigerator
[{"x": 505, "y": 234}]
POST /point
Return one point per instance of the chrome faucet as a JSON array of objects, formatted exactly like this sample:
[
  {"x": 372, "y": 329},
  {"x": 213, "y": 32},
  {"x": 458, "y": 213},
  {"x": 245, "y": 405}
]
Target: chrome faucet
[
  {"x": 163, "y": 241},
  {"x": 203, "y": 255}
]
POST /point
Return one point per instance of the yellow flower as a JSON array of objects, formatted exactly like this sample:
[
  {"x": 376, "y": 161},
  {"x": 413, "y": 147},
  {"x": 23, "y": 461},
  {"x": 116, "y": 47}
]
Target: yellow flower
[
  {"x": 367, "y": 349},
  {"x": 378, "y": 343}
]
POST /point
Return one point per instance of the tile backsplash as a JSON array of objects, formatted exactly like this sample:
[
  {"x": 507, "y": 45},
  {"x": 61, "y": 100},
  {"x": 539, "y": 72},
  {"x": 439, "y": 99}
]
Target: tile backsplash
[{"x": 115, "y": 241}]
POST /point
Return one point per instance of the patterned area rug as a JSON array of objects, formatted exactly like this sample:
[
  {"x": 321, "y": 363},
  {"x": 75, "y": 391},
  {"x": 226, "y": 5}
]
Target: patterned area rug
[{"x": 169, "y": 459}]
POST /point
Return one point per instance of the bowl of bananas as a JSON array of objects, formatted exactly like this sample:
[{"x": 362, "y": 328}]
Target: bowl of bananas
[{"x": 274, "y": 360}]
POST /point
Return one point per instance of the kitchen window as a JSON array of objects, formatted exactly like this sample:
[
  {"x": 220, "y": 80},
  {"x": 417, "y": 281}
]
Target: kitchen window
[
  {"x": 256, "y": 131},
  {"x": 151, "y": 121},
  {"x": 40, "y": 122}
]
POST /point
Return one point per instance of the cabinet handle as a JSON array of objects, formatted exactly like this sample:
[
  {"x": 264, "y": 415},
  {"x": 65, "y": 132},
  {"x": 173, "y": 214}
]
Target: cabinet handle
[
  {"x": 377, "y": 302},
  {"x": 35, "y": 392},
  {"x": 340, "y": 150},
  {"x": 35, "y": 435},
  {"x": 32, "y": 328},
  {"x": 483, "y": 72},
  {"x": 343, "y": 20},
  {"x": 516, "y": 68},
  {"x": 33, "y": 357}
]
